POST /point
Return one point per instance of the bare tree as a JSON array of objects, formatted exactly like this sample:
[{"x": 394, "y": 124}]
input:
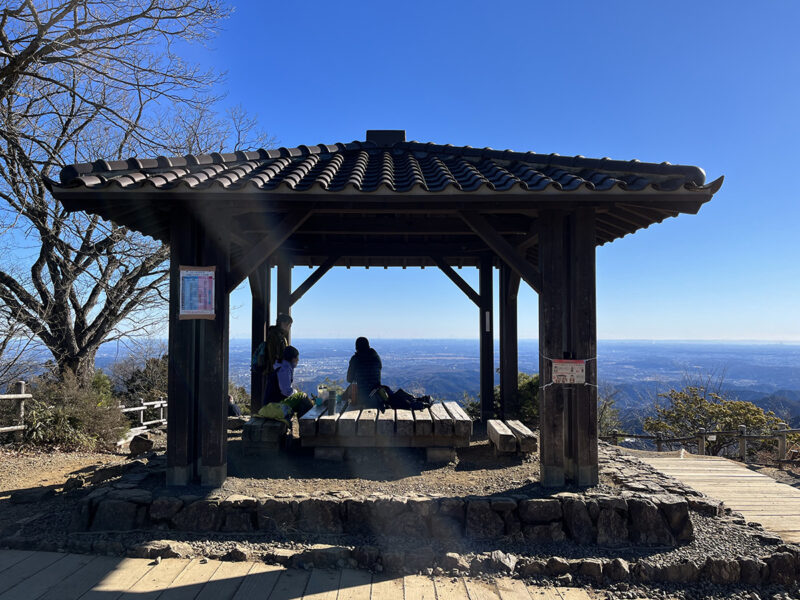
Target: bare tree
[
  {"x": 17, "y": 361},
  {"x": 81, "y": 80}
]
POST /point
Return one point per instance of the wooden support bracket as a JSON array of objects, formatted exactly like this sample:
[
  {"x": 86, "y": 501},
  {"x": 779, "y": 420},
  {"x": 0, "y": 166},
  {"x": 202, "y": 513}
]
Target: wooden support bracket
[
  {"x": 312, "y": 279},
  {"x": 457, "y": 279}
]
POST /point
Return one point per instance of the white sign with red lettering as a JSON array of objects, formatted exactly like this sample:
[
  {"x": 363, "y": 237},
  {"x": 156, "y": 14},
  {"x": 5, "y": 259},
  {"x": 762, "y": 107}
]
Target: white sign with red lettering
[{"x": 569, "y": 371}]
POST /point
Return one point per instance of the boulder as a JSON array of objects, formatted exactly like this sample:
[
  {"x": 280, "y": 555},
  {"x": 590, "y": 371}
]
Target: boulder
[
  {"x": 238, "y": 553},
  {"x": 617, "y": 570},
  {"x": 327, "y": 556},
  {"x": 752, "y": 571},
  {"x": 577, "y": 521},
  {"x": 161, "y": 548},
  {"x": 705, "y": 506},
  {"x": 647, "y": 524},
  {"x": 685, "y": 571},
  {"x": 276, "y": 516},
  {"x": 454, "y": 562},
  {"x": 140, "y": 444},
  {"x": 32, "y": 495},
  {"x": 542, "y": 510},
  {"x": 612, "y": 527},
  {"x": 722, "y": 571},
  {"x": 552, "y": 532},
  {"x": 317, "y": 515},
  {"x": 532, "y": 567},
  {"x": 165, "y": 507},
  {"x": 782, "y": 569},
  {"x": 592, "y": 569},
  {"x": 115, "y": 515},
  {"x": 502, "y": 562},
  {"x": 482, "y": 522},
  {"x": 201, "y": 515},
  {"x": 676, "y": 511},
  {"x": 480, "y": 565},
  {"x": 74, "y": 483},
  {"x": 558, "y": 566}
]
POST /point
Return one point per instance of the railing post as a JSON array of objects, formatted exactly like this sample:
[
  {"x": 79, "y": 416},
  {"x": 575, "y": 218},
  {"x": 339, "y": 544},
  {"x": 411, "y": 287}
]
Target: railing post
[
  {"x": 615, "y": 437},
  {"x": 141, "y": 412},
  {"x": 701, "y": 441},
  {"x": 659, "y": 442},
  {"x": 19, "y": 388},
  {"x": 782, "y": 441},
  {"x": 743, "y": 443}
]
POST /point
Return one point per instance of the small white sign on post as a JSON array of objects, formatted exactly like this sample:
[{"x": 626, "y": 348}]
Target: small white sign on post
[
  {"x": 197, "y": 292},
  {"x": 569, "y": 371}
]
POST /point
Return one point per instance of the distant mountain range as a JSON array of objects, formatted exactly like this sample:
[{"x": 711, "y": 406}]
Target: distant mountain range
[{"x": 767, "y": 374}]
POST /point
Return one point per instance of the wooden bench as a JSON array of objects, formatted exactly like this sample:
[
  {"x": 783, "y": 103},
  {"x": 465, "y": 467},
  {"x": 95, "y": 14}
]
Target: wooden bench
[
  {"x": 440, "y": 430},
  {"x": 511, "y": 437}
]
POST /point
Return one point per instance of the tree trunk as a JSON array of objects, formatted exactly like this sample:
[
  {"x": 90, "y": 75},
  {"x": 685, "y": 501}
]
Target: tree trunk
[{"x": 81, "y": 367}]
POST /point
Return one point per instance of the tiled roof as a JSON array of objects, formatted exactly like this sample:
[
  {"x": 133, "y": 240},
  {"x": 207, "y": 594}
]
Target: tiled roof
[{"x": 385, "y": 168}]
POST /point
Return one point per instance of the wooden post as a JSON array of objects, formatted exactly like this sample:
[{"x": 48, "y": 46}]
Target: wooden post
[
  {"x": 509, "y": 353},
  {"x": 782, "y": 441},
  {"x": 182, "y": 381},
  {"x": 486, "y": 337},
  {"x": 19, "y": 388},
  {"x": 701, "y": 441},
  {"x": 743, "y": 443},
  {"x": 659, "y": 443},
  {"x": 285, "y": 288},
  {"x": 212, "y": 375},
  {"x": 260, "y": 290},
  {"x": 568, "y": 329}
]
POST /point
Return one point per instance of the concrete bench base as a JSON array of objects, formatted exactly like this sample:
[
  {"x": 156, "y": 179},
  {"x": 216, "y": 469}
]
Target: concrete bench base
[{"x": 261, "y": 436}]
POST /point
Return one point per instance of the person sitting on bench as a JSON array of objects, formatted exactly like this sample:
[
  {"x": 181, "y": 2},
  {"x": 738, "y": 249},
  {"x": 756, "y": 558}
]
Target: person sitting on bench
[
  {"x": 282, "y": 400},
  {"x": 364, "y": 375}
]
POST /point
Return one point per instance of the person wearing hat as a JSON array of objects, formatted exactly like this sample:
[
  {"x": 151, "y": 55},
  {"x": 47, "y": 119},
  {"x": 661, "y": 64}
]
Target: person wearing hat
[{"x": 277, "y": 341}]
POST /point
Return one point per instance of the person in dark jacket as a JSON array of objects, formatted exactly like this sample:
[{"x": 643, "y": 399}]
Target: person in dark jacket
[{"x": 365, "y": 371}]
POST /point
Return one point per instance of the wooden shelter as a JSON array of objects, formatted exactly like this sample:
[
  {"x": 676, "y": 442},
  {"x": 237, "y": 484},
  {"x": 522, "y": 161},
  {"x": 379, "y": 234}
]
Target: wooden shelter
[{"x": 386, "y": 202}]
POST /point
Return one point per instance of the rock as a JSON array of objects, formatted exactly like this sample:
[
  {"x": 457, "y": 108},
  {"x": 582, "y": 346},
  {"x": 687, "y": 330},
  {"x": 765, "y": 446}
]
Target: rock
[
  {"x": 531, "y": 567},
  {"x": 236, "y": 423},
  {"x": 502, "y": 562},
  {"x": 327, "y": 556},
  {"x": 552, "y": 532},
  {"x": 276, "y": 516},
  {"x": 283, "y": 556},
  {"x": 540, "y": 510},
  {"x": 135, "y": 495},
  {"x": 617, "y": 570},
  {"x": 781, "y": 568},
  {"x": 558, "y": 566},
  {"x": 446, "y": 528},
  {"x": 480, "y": 565},
  {"x": 32, "y": 495},
  {"x": 722, "y": 571},
  {"x": 165, "y": 507},
  {"x": 237, "y": 553},
  {"x": 239, "y": 501},
  {"x": 319, "y": 516},
  {"x": 647, "y": 525},
  {"x": 751, "y": 571},
  {"x": 591, "y": 568},
  {"x": 676, "y": 511},
  {"x": 612, "y": 527},
  {"x": 502, "y": 504},
  {"x": 577, "y": 521},
  {"x": 705, "y": 506},
  {"x": 110, "y": 472},
  {"x": 452, "y": 507},
  {"x": 73, "y": 483},
  {"x": 115, "y": 515},
  {"x": 140, "y": 444},
  {"x": 237, "y": 521},
  {"x": 482, "y": 522},
  {"x": 685, "y": 571},
  {"x": 454, "y": 562},
  {"x": 366, "y": 556},
  {"x": 161, "y": 548},
  {"x": 564, "y": 580},
  {"x": 201, "y": 515},
  {"x": 393, "y": 561}
]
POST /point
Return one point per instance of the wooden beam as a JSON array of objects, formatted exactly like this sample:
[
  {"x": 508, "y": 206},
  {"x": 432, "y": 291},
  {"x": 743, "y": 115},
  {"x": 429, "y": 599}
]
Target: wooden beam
[
  {"x": 312, "y": 279},
  {"x": 509, "y": 352},
  {"x": 284, "y": 288},
  {"x": 486, "y": 333},
  {"x": 457, "y": 279},
  {"x": 260, "y": 290},
  {"x": 264, "y": 249},
  {"x": 503, "y": 249}
]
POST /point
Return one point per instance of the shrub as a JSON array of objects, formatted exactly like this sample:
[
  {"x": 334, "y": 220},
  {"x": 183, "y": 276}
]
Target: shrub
[{"x": 69, "y": 416}]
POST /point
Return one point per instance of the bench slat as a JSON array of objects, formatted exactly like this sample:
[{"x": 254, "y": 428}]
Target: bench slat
[
  {"x": 526, "y": 441},
  {"x": 442, "y": 421},
  {"x": 386, "y": 422},
  {"x": 346, "y": 425},
  {"x": 327, "y": 423},
  {"x": 367, "y": 421},
  {"x": 461, "y": 421},
  {"x": 423, "y": 422},
  {"x": 501, "y": 436},
  {"x": 308, "y": 422},
  {"x": 404, "y": 420}
]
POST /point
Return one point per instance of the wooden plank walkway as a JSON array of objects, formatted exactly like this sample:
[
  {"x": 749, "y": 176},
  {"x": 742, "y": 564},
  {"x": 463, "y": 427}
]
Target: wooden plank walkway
[
  {"x": 40, "y": 575},
  {"x": 758, "y": 497}
]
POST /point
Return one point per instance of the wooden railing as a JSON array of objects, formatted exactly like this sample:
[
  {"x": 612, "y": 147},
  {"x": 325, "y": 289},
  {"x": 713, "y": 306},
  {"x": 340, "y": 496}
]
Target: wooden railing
[
  {"x": 19, "y": 396},
  {"x": 702, "y": 437},
  {"x": 160, "y": 405}
]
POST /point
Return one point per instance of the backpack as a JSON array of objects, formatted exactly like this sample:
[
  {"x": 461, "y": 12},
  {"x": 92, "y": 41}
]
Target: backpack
[{"x": 259, "y": 360}]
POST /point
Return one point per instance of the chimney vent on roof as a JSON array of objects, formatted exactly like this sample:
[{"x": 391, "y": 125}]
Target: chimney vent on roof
[{"x": 386, "y": 137}]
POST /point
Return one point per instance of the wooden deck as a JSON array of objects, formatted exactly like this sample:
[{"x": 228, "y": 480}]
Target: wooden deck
[
  {"x": 53, "y": 576},
  {"x": 443, "y": 425},
  {"x": 758, "y": 497}
]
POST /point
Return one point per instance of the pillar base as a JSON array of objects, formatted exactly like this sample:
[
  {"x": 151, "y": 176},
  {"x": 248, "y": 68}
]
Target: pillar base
[
  {"x": 213, "y": 476},
  {"x": 551, "y": 476},
  {"x": 588, "y": 476},
  {"x": 179, "y": 476}
]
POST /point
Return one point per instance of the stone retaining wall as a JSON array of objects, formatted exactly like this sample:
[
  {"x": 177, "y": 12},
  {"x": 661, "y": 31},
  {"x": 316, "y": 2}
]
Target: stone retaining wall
[{"x": 660, "y": 520}]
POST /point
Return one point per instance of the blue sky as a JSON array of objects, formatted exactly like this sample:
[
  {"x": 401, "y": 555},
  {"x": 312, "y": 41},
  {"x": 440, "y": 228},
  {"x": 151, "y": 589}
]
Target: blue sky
[{"x": 713, "y": 84}]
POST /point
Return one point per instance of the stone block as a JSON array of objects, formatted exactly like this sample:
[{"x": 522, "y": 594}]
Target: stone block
[
  {"x": 317, "y": 515},
  {"x": 612, "y": 527},
  {"x": 115, "y": 515},
  {"x": 201, "y": 515},
  {"x": 577, "y": 521},
  {"x": 647, "y": 525},
  {"x": 617, "y": 570},
  {"x": 551, "y": 532},
  {"x": 482, "y": 522},
  {"x": 276, "y": 515},
  {"x": 542, "y": 510},
  {"x": 676, "y": 512},
  {"x": 165, "y": 507}
]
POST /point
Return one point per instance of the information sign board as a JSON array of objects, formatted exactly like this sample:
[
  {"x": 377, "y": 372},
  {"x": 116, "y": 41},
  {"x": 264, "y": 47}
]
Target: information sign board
[
  {"x": 197, "y": 292},
  {"x": 569, "y": 371}
]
